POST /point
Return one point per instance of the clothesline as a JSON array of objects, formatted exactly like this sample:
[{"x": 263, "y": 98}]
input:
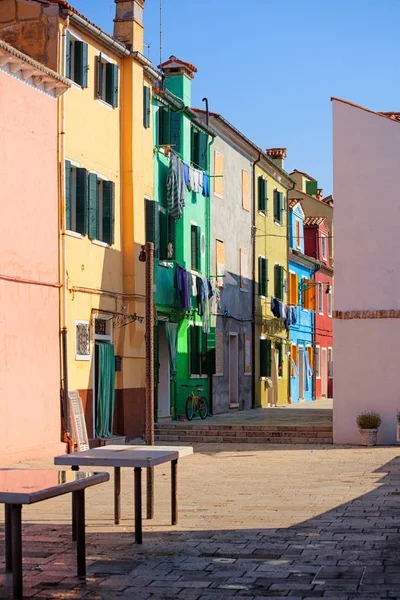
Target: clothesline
[{"x": 192, "y": 164}]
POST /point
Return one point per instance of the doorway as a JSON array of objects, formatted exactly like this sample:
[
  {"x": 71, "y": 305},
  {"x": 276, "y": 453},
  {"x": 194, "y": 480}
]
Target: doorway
[
  {"x": 233, "y": 371},
  {"x": 324, "y": 374},
  {"x": 103, "y": 378},
  {"x": 164, "y": 384},
  {"x": 301, "y": 374}
]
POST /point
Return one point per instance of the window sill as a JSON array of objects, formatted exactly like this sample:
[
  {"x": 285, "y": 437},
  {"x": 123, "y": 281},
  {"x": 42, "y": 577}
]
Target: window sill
[
  {"x": 262, "y": 213},
  {"x": 83, "y": 357},
  {"x": 75, "y": 234},
  {"x": 100, "y": 243},
  {"x": 198, "y": 377},
  {"x": 74, "y": 84},
  {"x": 218, "y": 375},
  {"x": 277, "y": 223},
  {"x": 321, "y": 314},
  {"x": 330, "y": 316},
  {"x": 247, "y": 374},
  {"x": 104, "y": 103},
  {"x": 218, "y": 196}
]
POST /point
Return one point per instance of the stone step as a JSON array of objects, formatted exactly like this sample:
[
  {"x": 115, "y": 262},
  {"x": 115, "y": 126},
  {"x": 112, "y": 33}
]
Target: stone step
[{"x": 243, "y": 439}]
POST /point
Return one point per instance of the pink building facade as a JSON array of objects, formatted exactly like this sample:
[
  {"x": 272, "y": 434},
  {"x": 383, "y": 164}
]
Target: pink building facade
[
  {"x": 30, "y": 420},
  {"x": 366, "y": 327}
]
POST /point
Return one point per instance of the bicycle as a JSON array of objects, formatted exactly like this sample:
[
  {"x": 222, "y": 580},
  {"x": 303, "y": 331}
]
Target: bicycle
[{"x": 196, "y": 403}]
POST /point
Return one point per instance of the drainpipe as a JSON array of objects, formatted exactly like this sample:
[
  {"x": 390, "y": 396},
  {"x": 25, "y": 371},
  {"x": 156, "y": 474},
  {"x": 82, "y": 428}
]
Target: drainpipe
[
  {"x": 208, "y": 227},
  {"x": 63, "y": 254},
  {"x": 288, "y": 273},
  {"x": 207, "y": 111},
  {"x": 253, "y": 233},
  {"x": 313, "y": 333}
]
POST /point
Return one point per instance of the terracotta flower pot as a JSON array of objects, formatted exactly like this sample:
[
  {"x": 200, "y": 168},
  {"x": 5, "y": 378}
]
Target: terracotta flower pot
[{"x": 368, "y": 437}]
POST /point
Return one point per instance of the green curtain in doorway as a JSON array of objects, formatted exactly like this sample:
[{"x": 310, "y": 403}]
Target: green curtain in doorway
[
  {"x": 105, "y": 390},
  {"x": 172, "y": 335}
]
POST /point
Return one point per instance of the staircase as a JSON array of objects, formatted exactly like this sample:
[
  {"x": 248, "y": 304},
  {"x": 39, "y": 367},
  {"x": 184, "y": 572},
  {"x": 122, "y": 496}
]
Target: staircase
[{"x": 201, "y": 433}]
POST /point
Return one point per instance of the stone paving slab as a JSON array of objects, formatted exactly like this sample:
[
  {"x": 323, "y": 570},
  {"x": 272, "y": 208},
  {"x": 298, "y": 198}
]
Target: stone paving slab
[{"x": 255, "y": 523}]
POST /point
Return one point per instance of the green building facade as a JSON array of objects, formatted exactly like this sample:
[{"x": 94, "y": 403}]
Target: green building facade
[{"x": 184, "y": 350}]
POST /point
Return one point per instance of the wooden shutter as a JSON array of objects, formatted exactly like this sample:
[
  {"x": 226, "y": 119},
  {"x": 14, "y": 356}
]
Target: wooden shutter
[
  {"x": 203, "y": 151},
  {"x": 195, "y": 146},
  {"x": 163, "y": 126},
  {"x": 209, "y": 354},
  {"x": 68, "y": 55},
  {"x": 265, "y": 192},
  {"x": 220, "y": 262},
  {"x": 198, "y": 248},
  {"x": 100, "y": 76},
  {"x": 171, "y": 236},
  {"x": 311, "y": 188},
  {"x": 261, "y": 194},
  {"x": 278, "y": 278},
  {"x": 193, "y": 247},
  {"x": 146, "y": 107},
  {"x": 294, "y": 289},
  {"x": 260, "y": 276},
  {"x": 265, "y": 358},
  {"x": 81, "y": 64},
  {"x": 279, "y": 347},
  {"x": 311, "y": 294},
  {"x": 153, "y": 225},
  {"x": 163, "y": 216},
  {"x": 67, "y": 194},
  {"x": 245, "y": 190},
  {"x": 280, "y": 206},
  {"x": 81, "y": 200},
  {"x": 277, "y": 212},
  {"x": 108, "y": 211},
  {"x": 112, "y": 84},
  {"x": 175, "y": 131},
  {"x": 219, "y": 172},
  {"x": 93, "y": 208}
]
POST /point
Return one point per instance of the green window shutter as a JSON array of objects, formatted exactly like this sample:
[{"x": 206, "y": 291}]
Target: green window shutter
[
  {"x": 112, "y": 84},
  {"x": 198, "y": 248},
  {"x": 93, "y": 209},
  {"x": 282, "y": 282},
  {"x": 100, "y": 76},
  {"x": 68, "y": 55},
  {"x": 81, "y": 64},
  {"x": 163, "y": 216},
  {"x": 67, "y": 194},
  {"x": 311, "y": 188},
  {"x": 279, "y": 347},
  {"x": 265, "y": 358},
  {"x": 81, "y": 201},
  {"x": 108, "y": 212},
  {"x": 265, "y": 194},
  {"x": 263, "y": 276},
  {"x": 280, "y": 206},
  {"x": 163, "y": 126},
  {"x": 279, "y": 280},
  {"x": 171, "y": 236},
  {"x": 276, "y": 206},
  {"x": 175, "y": 132},
  {"x": 203, "y": 151},
  {"x": 146, "y": 106},
  {"x": 153, "y": 225},
  {"x": 261, "y": 196},
  {"x": 194, "y": 349},
  {"x": 194, "y": 154},
  {"x": 193, "y": 247}
]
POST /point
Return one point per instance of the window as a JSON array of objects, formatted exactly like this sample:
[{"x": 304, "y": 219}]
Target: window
[
  {"x": 167, "y": 235},
  {"x": 294, "y": 289},
  {"x": 219, "y": 172},
  {"x": 308, "y": 294},
  {"x": 199, "y": 149},
  {"x": 163, "y": 126},
  {"x": 330, "y": 303},
  {"x": 82, "y": 340},
  {"x": 195, "y": 234},
  {"x": 195, "y": 339},
  {"x": 244, "y": 276},
  {"x": 107, "y": 81},
  {"x": 324, "y": 247},
  {"x": 320, "y": 299},
  {"x": 298, "y": 242},
  {"x": 220, "y": 263},
  {"x": 262, "y": 276},
  {"x": 310, "y": 355},
  {"x": 76, "y": 198},
  {"x": 76, "y": 63},
  {"x": 278, "y": 206},
  {"x": 311, "y": 188},
  {"x": 146, "y": 106},
  {"x": 330, "y": 363},
  {"x": 317, "y": 362},
  {"x": 279, "y": 348},
  {"x": 279, "y": 282},
  {"x": 101, "y": 209},
  {"x": 245, "y": 190},
  {"x": 295, "y": 361},
  {"x": 265, "y": 357},
  {"x": 262, "y": 195}
]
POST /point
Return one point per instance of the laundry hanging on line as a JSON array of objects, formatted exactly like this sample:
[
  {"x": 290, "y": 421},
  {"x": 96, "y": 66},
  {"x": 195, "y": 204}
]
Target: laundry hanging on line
[{"x": 181, "y": 178}]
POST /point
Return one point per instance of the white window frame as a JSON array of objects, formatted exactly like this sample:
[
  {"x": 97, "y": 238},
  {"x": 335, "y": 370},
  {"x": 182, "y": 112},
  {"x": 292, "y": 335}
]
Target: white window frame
[
  {"x": 84, "y": 357},
  {"x": 104, "y": 59},
  {"x": 317, "y": 364},
  {"x": 320, "y": 299},
  {"x": 324, "y": 247},
  {"x": 330, "y": 303},
  {"x": 74, "y": 37},
  {"x": 330, "y": 362}
]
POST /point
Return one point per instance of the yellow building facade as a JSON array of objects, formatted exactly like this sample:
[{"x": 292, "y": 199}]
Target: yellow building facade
[
  {"x": 271, "y": 344},
  {"x": 106, "y": 173}
]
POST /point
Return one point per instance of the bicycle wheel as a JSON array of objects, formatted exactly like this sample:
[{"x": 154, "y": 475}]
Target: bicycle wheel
[
  {"x": 189, "y": 408},
  {"x": 203, "y": 408}
]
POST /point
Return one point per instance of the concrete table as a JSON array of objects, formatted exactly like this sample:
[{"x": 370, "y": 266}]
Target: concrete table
[
  {"x": 137, "y": 457},
  {"x": 22, "y": 486}
]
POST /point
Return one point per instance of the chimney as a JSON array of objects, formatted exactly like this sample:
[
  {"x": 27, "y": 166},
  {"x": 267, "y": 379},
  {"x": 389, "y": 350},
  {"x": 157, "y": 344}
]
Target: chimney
[
  {"x": 278, "y": 155},
  {"x": 178, "y": 75},
  {"x": 128, "y": 23}
]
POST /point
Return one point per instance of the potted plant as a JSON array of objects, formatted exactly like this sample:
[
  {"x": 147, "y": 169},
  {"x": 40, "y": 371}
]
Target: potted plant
[
  {"x": 398, "y": 427},
  {"x": 368, "y": 424}
]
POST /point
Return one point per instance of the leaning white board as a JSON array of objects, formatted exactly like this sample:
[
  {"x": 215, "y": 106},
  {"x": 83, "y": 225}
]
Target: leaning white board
[{"x": 77, "y": 420}]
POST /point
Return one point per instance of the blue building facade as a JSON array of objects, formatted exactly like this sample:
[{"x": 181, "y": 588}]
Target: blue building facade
[{"x": 302, "y": 302}]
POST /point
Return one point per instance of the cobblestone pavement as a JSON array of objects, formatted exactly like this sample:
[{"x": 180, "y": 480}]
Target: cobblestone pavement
[{"x": 255, "y": 523}]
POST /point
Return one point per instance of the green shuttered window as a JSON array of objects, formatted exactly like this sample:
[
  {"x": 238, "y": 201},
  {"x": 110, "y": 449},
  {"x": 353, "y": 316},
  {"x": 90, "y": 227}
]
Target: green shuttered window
[
  {"x": 68, "y": 195},
  {"x": 76, "y": 60},
  {"x": 195, "y": 233},
  {"x": 278, "y": 206},
  {"x": 265, "y": 358},
  {"x": 163, "y": 126},
  {"x": 279, "y": 281},
  {"x": 153, "y": 225},
  {"x": 199, "y": 149},
  {"x": 262, "y": 194},
  {"x": 81, "y": 201},
  {"x": 107, "y": 81},
  {"x": 93, "y": 206},
  {"x": 108, "y": 216},
  {"x": 146, "y": 107},
  {"x": 195, "y": 349},
  {"x": 262, "y": 276},
  {"x": 175, "y": 131}
]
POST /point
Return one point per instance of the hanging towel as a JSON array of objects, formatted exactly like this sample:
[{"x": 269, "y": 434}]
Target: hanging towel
[
  {"x": 191, "y": 178},
  {"x": 196, "y": 181},
  {"x": 186, "y": 290},
  {"x": 288, "y": 318},
  {"x": 308, "y": 372},
  {"x": 293, "y": 315},
  {"x": 186, "y": 175},
  {"x": 200, "y": 296},
  {"x": 194, "y": 286},
  {"x": 275, "y": 307},
  {"x": 176, "y": 187},
  {"x": 206, "y": 185},
  {"x": 201, "y": 179}
]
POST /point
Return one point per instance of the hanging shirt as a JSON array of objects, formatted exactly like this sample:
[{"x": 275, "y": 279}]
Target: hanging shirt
[
  {"x": 196, "y": 181},
  {"x": 206, "y": 185},
  {"x": 293, "y": 315},
  {"x": 191, "y": 178},
  {"x": 207, "y": 310},
  {"x": 176, "y": 187},
  {"x": 186, "y": 175},
  {"x": 200, "y": 296}
]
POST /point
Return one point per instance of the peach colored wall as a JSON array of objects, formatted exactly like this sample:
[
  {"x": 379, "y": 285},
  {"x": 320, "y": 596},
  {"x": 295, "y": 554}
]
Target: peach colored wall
[
  {"x": 29, "y": 346},
  {"x": 367, "y": 217}
]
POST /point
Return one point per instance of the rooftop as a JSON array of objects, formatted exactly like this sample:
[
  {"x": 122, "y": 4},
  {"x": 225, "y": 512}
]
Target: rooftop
[
  {"x": 314, "y": 220},
  {"x": 304, "y": 175}
]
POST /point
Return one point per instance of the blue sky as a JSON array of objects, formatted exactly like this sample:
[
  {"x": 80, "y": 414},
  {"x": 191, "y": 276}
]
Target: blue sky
[{"x": 271, "y": 67}]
